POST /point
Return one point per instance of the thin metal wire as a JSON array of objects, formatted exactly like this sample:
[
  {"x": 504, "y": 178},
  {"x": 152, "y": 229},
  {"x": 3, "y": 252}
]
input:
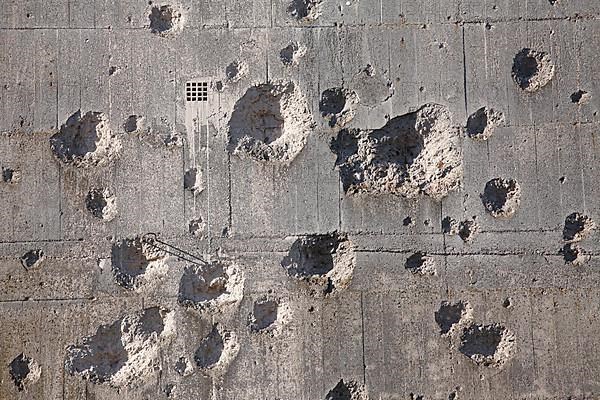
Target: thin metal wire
[{"x": 152, "y": 238}]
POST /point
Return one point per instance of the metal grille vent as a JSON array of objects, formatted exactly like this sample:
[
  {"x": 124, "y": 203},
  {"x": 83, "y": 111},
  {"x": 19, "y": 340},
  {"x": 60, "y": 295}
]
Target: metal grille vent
[{"x": 196, "y": 91}]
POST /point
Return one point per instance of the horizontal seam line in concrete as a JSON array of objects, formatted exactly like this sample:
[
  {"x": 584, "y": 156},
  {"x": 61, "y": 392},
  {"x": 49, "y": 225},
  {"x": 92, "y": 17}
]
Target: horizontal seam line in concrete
[{"x": 572, "y": 18}]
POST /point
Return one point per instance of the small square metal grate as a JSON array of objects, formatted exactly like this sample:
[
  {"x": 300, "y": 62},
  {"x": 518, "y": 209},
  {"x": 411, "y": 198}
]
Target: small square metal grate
[{"x": 196, "y": 91}]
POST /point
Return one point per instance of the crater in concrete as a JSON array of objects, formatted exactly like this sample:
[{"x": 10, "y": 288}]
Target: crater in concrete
[
  {"x": 467, "y": 230},
  {"x": 85, "y": 141},
  {"x": 421, "y": 264},
  {"x": 577, "y": 227},
  {"x": 101, "y": 203},
  {"x": 451, "y": 316},
  {"x": 192, "y": 180},
  {"x": 488, "y": 345},
  {"x": 125, "y": 353},
  {"x": 292, "y": 53},
  {"x": 349, "y": 390},
  {"x": 32, "y": 259},
  {"x": 217, "y": 350},
  {"x": 10, "y": 175},
  {"x": 581, "y": 97},
  {"x": 165, "y": 19},
  {"x": 236, "y": 71},
  {"x": 338, "y": 106},
  {"x": 324, "y": 260},
  {"x": 269, "y": 316},
  {"x": 136, "y": 263},
  {"x": 481, "y": 124},
  {"x": 413, "y": 154},
  {"x": 211, "y": 287},
  {"x": 197, "y": 227},
  {"x": 532, "y": 69},
  {"x": 24, "y": 371},
  {"x": 501, "y": 197},
  {"x": 271, "y": 122},
  {"x": 133, "y": 123},
  {"x": 305, "y": 10},
  {"x": 574, "y": 255}
]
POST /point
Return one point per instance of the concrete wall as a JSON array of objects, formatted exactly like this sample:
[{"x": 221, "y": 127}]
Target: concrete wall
[{"x": 382, "y": 240}]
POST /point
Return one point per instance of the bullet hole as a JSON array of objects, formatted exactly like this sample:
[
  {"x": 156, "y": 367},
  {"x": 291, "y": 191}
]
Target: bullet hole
[
  {"x": 85, "y": 141},
  {"x": 407, "y": 221},
  {"x": 32, "y": 259},
  {"x": 574, "y": 255},
  {"x": 125, "y": 353},
  {"x": 562, "y": 179},
  {"x": 192, "y": 180},
  {"x": 338, "y": 106},
  {"x": 581, "y": 97},
  {"x": 449, "y": 225},
  {"x": 413, "y": 154},
  {"x": 211, "y": 287},
  {"x": 269, "y": 316},
  {"x": 488, "y": 345},
  {"x": 350, "y": 390},
  {"x": 369, "y": 70},
  {"x": 501, "y": 197},
  {"x": 467, "y": 230},
  {"x": 532, "y": 69},
  {"x": 24, "y": 371},
  {"x": 101, "y": 203},
  {"x": 507, "y": 303},
  {"x": 420, "y": 264},
  {"x": 577, "y": 227},
  {"x": 113, "y": 70},
  {"x": 305, "y": 10},
  {"x": 324, "y": 260},
  {"x": 133, "y": 123},
  {"x": 165, "y": 20},
  {"x": 217, "y": 350},
  {"x": 196, "y": 227},
  {"x": 135, "y": 263},
  {"x": 292, "y": 53},
  {"x": 10, "y": 175},
  {"x": 219, "y": 86},
  {"x": 270, "y": 123},
  {"x": 452, "y": 315},
  {"x": 236, "y": 71},
  {"x": 481, "y": 124}
]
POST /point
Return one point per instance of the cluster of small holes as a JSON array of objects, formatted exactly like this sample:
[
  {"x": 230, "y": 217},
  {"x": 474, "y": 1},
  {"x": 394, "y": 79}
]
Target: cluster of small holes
[{"x": 196, "y": 91}]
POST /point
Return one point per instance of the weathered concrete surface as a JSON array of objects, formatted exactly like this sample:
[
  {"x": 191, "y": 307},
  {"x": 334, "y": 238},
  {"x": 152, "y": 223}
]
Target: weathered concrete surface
[{"x": 446, "y": 254}]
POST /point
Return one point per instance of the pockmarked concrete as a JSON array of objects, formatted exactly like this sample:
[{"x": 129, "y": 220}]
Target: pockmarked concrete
[{"x": 299, "y": 199}]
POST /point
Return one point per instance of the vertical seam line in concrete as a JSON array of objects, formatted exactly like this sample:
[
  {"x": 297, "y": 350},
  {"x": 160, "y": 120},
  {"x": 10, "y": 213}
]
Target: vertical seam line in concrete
[
  {"x": 362, "y": 326},
  {"x": 445, "y": 250},
  {"x": 57, "y": 74},
  {"x": 531, "y": 332},
  {"x": 230, "y": 217},
  {"x": 537, "y": 171},
  {"x": 464, "y": 70}
]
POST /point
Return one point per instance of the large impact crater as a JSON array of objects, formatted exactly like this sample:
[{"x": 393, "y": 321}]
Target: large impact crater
[
  {"x": 326, "y": 261},
  {"x": 124, "y": 353},
  {"x": 86, "y": 140},
  {"x": 413, "y": 154},
  {"x": 270, "y": 122}
]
